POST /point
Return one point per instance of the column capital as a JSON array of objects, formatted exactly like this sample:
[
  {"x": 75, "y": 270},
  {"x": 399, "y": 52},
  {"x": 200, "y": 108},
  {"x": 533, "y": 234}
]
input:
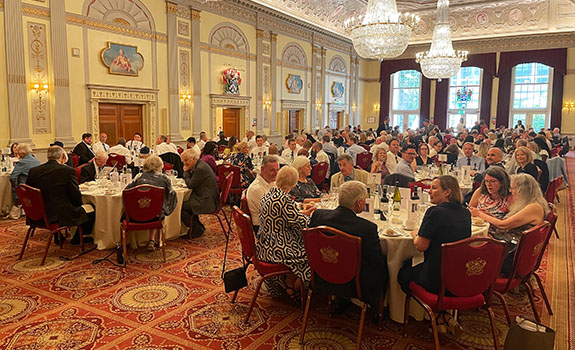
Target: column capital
[
  {"x": 195, "y": 14},
  {"x": 273, "y": 37},
  {"x": 172, "y": 8},
  {"x": 323, "y": 51},
  {"x": 259, "y": 33}
]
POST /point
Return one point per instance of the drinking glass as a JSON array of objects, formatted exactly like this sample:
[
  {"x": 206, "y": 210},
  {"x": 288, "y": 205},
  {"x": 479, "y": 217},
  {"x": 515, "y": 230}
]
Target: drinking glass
[{"x": 324, "y": 200}]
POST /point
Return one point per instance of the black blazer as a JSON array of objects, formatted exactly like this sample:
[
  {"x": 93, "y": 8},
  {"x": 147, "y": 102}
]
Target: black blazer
[
  {"x": 88, "y": 173},
  {"x": 82, "y": 151},
  {"x": 62, "y": 197},
  {"x": 205, "y": 197},
  {"x": 530, "y": 169},
  {"x": 374, "y": 275}
]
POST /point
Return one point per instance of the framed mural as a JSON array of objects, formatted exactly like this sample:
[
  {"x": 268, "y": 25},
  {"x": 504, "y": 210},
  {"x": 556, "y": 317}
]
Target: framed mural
[
  {"x": 294, "y": 84},
  {"x": 337, "y": 89},
  {"x": 122, "y": 59}
]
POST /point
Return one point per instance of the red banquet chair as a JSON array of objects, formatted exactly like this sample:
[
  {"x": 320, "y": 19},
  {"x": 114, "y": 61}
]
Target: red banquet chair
[
  {"x": 335, "y": 260},
  {"x": 224, "y": 170},
  {"x": 424, "y": 184},
  {"x": 319, "y": 173},
  {"x": 248, "y": 242},
  {"x": 363, "y": 160},
  {"x": 79, "y": 171},
  {"x": 116, "y": 160},
  {"x": 143, "y": 205},
  {"x": 526, "y": 261},
  {"x": 553, "y": 188},
  {"x": 33, "y": 204},
  {"x": 552, "y": 219},
  {"x": 244, "y": 206},
  {"x": 75, "y": 159},
  {"x": 469, "y": 268},
  {"x": 168, "y": 166},
  {"x": 225, "y": 191}
]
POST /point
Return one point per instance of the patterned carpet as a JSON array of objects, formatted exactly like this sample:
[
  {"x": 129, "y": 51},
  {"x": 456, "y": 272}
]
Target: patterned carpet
[{"x": 181, "y": 304}]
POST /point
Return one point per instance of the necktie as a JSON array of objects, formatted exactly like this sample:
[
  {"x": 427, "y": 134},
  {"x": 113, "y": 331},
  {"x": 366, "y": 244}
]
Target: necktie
[
  {"x": 292, "y": 156},
  {"x": 347, "y": 178},
  {"x": 468, "y": 161},
  {"x": 105, "y": 149}
]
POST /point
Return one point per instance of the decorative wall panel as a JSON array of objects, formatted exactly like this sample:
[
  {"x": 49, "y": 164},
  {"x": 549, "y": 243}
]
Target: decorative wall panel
[
  {"x": 185, "y": 88},
  {"x": 37, "y": 65}
]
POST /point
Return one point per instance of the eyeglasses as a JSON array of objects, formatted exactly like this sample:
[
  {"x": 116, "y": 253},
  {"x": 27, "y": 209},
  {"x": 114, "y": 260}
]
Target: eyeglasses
[
  {"x": 492, "y": 181},
  {"x": 411, "y": 154}
]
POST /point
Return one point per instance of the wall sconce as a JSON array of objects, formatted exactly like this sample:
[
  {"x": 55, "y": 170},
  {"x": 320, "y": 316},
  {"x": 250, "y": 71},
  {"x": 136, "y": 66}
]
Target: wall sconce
[
  {"x": 569, "y": 106},
  {"x": 376, "y": 107},
  {"x": 40, "y": 88},
  {"x": 353, "y": 108},
  {"x": 318, "y": 105},
  {"x": 267, "y": 103},
  {"x": 185, "y": 97}
]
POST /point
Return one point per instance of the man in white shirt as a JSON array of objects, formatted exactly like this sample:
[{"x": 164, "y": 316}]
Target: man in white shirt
[
  {"x": 260, "y": 150},
  {"x": 379, "y": 143},
  {"x": 290, "y": 153},
  {"x": 404, "y": 166},
  {"x": 203, "y": 140},
  {"x": 471, "y": 159},
  {"x": 101, "y": 145},
  {"x": 136, "y": 144},
  {"x": 121, "y": 149},
  {"x": 191, "y": 143},
  {"x": 321, "y": 156},
  {"x": 392, "y": 155},
  {"x": 260, "y": 186},
  {"x": 250, "y": 139},
  {"x": 327, "y": 146},
  {"x": 162, "y": 146},
  {"x": 353, "y": 150},
  {"x": 299, "y": 141}
]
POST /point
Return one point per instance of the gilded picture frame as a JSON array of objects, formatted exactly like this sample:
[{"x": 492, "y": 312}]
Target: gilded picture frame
[{"x": 122, "y": 59}]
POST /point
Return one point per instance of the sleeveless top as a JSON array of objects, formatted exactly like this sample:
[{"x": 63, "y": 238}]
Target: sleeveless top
[{"x": 498, "y": 208}]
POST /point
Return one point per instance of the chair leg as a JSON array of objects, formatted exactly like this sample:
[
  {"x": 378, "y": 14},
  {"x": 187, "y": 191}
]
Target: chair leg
[
  {"x": 380, "y": 313},
  {"x": 124, "y": 248},
  {"x": 48, "y": 246},
  {"x": 163, "y": 242},
  {"x": 81, "y": 233},
  {"x": 532, "y": 301},
  {"x": 406, "y": 315},
  {"x": 433, "y": 327},
  {"x": 190, "y": 227},
  {"x": 555, "y": 231},
  {"x": 361, "y": 324},
  {"x": 305, "y": 316},
  {"x": 235, "y": 296},
  {"x": 493, "y": 327},
  {"x": 28, "y": 234},
  {"x": 505, "y": 308},
  {"x": 254, "y": 299},
  {"x": 543, "y": 294},
  {"x": 226, "y": 233}
]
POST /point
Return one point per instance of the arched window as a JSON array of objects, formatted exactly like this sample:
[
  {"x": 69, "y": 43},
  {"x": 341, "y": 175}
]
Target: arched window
[
  {"x": 464, "y": 97},
  {"x": 531, "y": 95},
  {"x": 405, "y": 99}
]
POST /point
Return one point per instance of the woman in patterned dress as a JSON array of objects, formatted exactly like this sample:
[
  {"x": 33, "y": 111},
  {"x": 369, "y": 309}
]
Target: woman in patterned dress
[
  {"x": 279, "y": 237},
  {"x": 493, "y": 195},
  {"x": 242, "y": 160},
  {"x": 305, "y": 189}
]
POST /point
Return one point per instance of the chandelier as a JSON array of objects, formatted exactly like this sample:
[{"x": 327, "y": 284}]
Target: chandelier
[
  {"x": 441, "y": 61},
  {"x": 382, "y": 32}
]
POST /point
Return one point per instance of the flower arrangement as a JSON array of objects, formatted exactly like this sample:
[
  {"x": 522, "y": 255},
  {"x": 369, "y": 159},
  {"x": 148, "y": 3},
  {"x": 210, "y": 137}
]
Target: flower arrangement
[{"x": 232, "y": 79}]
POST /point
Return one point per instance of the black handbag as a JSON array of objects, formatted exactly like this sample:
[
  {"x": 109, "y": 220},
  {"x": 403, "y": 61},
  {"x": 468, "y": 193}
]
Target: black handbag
[
  {"x": 535, "y": 336},
  {"x": 233, "y": 279}
]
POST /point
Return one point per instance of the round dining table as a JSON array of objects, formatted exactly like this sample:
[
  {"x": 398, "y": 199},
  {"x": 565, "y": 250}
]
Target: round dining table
[
  {"x": 109, "y": 209},
  {"x": 5, "y": 193}
]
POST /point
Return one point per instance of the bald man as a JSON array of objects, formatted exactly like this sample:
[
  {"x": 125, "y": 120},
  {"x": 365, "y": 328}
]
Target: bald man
[{"x": 493, "y": 158}]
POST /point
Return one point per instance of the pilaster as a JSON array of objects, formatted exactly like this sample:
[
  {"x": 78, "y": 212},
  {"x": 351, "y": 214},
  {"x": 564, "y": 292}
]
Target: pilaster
[
  {"x": 259, "y": 80},
  {"x": 322, "y": 97},
  {"x": 173, "y": 85},
  {"x": 196, "y": 74},
  {"x": 273, "y": 83}
]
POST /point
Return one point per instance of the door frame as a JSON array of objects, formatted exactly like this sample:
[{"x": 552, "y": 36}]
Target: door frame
[
  {"x": 227, "y": 101},
  {"x": 301, "y": 107},
  {"x": 336, "y": 107}
]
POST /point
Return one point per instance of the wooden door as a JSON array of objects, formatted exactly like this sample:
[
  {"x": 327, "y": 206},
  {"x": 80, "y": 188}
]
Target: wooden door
[
  {"x": 231, "y": 122},
  {"x": 293, "y": 121},
  {"x": 119, "y": 120},
  {"x": 334, "y": 120}
]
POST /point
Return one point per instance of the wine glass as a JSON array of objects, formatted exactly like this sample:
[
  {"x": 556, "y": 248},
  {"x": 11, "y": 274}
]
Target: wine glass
[{"x": 324, "y": 200}]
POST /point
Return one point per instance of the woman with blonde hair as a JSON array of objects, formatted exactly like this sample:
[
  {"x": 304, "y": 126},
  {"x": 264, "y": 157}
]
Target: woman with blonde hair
[
  {"x": 378, "y": 166},
  {"x": 528, "y": 209},
  {"x": 524, "y": 159},
  {"x": 305, "y": 189},
  {"x": 483, "y": 149},
  {"x": 241, "y": 159}
]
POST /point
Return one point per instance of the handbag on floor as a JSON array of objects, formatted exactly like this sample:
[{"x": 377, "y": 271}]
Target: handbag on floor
[
  {"x": 526, "y": 334},
  {"x": 233, "y": 279}
]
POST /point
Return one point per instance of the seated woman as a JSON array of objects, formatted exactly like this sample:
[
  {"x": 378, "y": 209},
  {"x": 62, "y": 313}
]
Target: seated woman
[
  {"x": 447, "y": 221},
  {"x": 524, "y": 160},
  {"x": 452, "y": 152},
  {"x": 209, "y": 154},
  {"x": 241, "y": 159},
  {"x": 305, "y": 190},
  {"x": 279, "y": 237},
  {"x": 494, "y": 194},
  {"x": 436, "y": 148},
  {"x": 152, "y": 175},
  {"x": 528, "y": 209},
  {"x": 423, "y": 157},
  {"x": 378, "y": 166}
]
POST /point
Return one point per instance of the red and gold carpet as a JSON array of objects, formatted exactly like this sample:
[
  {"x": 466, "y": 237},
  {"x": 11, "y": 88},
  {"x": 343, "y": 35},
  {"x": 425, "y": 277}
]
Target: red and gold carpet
[{"x": 181, "y": 304}]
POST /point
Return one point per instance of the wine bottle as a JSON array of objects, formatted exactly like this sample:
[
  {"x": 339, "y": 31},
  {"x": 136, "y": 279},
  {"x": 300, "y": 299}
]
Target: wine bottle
[{"x": 396, "y": 199}]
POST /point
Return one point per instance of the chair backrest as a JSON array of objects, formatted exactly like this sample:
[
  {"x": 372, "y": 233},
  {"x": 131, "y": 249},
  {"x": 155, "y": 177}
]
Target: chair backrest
[
  {"x": 246, "y": 235},
  {"x": 180, "y": 150},
  {"x": 553, "y": 188},
  {"x": 539, "y": 172},
  {"x": 75, "y": 159},
  {"x": 224, "y": 193},
  {"x": 363, "y": 160},
  {"x": 79, "y": 171},
  {"x": 116, "y": 160},
  {"x": 404, "y": 181},
  {"x": 244, "y": 206},
  {"x": 366, "y": 147},
  {"x": 470, "y": 266},
  {"x": 32, "y": 202},
  {"x": 530, "y": 250},
  {"x": 226, "y": 169},
  {"x": 424, "y": 184},
  {"x": 168, "y": 166},
  {"x": 333, "y": 255},
  {"x": 143, "y": 203},
  {"x": 319, "y": 172}
]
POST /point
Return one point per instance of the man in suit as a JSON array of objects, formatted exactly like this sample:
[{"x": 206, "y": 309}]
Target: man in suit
[
  {"x": 347, "y": 172},
  {"x": 62, "y": 197},
  {"x": 383, "y": 126},
  {"x": 205, "y": 196},
  {"x": 84, "y": 149},
  {"x": 91, "y": 170},
  {"x": 373, "y": 274}
]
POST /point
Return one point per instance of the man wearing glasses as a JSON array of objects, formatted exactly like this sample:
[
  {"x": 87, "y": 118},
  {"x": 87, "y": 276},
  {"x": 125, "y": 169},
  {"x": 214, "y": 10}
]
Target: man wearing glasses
[{"x": 404, "y": 166}]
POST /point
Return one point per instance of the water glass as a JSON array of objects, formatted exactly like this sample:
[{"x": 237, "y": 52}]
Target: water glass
[{"x": 324, "y": 200}]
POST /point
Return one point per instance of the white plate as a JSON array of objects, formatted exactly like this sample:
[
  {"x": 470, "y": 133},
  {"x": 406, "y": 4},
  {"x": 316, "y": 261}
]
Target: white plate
[{"x": 384, "y": 233}]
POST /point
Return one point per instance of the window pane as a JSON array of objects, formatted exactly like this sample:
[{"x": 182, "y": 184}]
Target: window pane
[
  {"x": 397, "y": 120},
  {"x": 405, "y": 92},
  {"x": 453, "y": 120},
  {"x": 406, "y": 79},
  {"x": 413, "y": 121},
  {"x": 517, "y": 117},
  {"x": 470, "y": 120},
  {"x": 538, "y": 121},
  {"x": 464, "y": 89},
  {"x": 531, "y": 86}
]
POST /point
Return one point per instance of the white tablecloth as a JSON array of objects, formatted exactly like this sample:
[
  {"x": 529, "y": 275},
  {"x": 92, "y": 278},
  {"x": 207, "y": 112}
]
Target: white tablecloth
[
  {"x": 109, "y": 210},
  {"x": 5, "y": 193},
  {"x": 397, "y": 250}
]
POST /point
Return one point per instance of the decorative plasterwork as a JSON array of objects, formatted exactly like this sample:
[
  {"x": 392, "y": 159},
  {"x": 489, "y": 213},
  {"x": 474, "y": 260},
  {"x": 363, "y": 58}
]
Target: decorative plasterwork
[
  {"x": 132, "y": 13},
  {"x": 185, "y": 88},
  {"x": 293, "y": 53},
  {"x": 38, "y": 63},
  {"x": 229, "y": 101},
  {"x": 227, "y": 52},
  {"x": 185, "y": 43},
  {"x": 294, "y": 105},
  {"x": 230, "y": 37},
  {"x": 183, "y": 28},
  {"x": 113, "y": 28},
  {"x": 337, "y": 65},
  {"x": 35, "y": 11}
]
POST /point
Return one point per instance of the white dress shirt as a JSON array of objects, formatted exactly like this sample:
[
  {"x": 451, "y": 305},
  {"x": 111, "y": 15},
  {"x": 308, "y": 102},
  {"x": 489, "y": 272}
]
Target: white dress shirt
[
  {"x": 391, "y": 162},
  {"x": 135, "y": 146},
  {"x": 121, "y": 150},
  {"x": 259, "y": 151},
  {"x": 166, "y": 148},
  {"x": 200, "y": 144},
  {"x": 99, "y": 146},
  {"x": 322, "y": 157},
  {"x": 473, "y": 160},
  {"x": 288, "y": 155},
  {"x": 404, "y": 168},
  {"x": 257, "y": 189}
]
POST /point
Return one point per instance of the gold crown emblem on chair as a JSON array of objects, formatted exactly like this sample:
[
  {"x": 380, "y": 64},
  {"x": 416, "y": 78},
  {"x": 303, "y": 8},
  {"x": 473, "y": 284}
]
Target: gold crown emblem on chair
[
  {"x": 475, "y": 267},
  {"x": 329, "y": 255},
  {"x": 26, "y": 202},
  {"x": 144, "y": 202},
  {"x": 537, "y": 248}
]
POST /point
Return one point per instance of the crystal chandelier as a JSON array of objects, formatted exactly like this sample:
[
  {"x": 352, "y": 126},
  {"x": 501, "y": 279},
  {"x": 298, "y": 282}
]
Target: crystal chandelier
[
  {"x": 382, "y": 32},
  {"x": 441, "y": 61}
]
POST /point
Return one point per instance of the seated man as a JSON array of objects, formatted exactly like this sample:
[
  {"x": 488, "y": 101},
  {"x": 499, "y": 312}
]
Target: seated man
[
  {"x": 136, "y": 144},
  {"x": 260, "y": 150},
  {"x": 205, "y": 197},
  {"x": 471, "y": 159},
  {"x": 494, "y": 158},
  {"x": 162, "y": 146},
  {"x": 91, "y": 171},
  {"x": 347, "y": 172},
  {"x": 290, "y": 152},
  {"x": 20, "y": 173},
  {"x": 62, "y": 197},
  {"x": 191, "y": 143},
  {"x": 101, "y": 145},
  {"x": 260, "y": 186},
  {"x": 121, "y": 149},
  {"x": 405, "y": 164},
  {"x": 84, "y": 149},
  {"x": 374, "y": 274}
]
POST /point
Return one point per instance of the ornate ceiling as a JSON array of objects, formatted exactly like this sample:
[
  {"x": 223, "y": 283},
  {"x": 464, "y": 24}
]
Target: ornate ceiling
[{"x": 469, "y": 19}]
